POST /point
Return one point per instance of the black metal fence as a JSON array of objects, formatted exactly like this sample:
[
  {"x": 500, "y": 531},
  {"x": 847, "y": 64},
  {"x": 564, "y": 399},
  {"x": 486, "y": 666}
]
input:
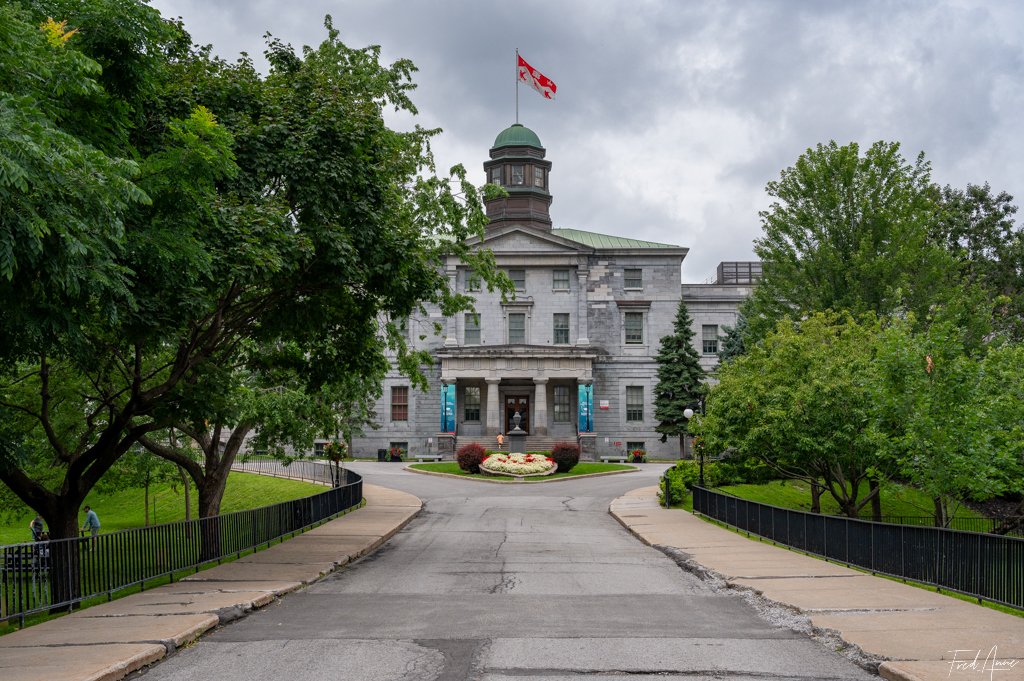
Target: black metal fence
[
  {"x": 986, "y": 566},
  {"x": 58, "y": 574},
  {"x": 956, "y": 523},
  {"x": 310, "y": 471}
]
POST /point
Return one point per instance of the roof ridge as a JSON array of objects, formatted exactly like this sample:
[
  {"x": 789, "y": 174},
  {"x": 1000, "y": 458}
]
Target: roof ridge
[{"x": 614, "y": 241}]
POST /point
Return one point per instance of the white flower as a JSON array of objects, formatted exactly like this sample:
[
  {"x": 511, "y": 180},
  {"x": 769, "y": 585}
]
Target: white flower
[{"x": 518, "y": 464}]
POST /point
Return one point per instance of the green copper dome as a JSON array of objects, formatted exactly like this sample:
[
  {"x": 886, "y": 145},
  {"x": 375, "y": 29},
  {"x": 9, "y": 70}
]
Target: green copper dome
[{"x": 517, "y": 135}]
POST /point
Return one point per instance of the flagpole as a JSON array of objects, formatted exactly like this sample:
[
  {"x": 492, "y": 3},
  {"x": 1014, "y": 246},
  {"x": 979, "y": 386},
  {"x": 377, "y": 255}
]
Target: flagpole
[{"x": 517, "y": 85}]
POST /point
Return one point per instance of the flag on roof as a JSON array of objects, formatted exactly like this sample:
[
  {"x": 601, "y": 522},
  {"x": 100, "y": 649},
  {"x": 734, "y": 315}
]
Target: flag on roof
[{"x": 537, "y": 80}]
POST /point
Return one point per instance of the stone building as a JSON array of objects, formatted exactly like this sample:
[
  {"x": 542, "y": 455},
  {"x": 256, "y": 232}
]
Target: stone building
[{"x": 573, "y": 352}]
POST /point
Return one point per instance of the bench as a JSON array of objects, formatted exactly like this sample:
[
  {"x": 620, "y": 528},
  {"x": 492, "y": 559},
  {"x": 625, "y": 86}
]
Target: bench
[
  {"x": 431, "y": 457},
  {"x": 621, "y": 458}
]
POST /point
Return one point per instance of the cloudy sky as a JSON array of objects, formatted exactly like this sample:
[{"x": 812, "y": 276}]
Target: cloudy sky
[{"x": 672, "y": 115}]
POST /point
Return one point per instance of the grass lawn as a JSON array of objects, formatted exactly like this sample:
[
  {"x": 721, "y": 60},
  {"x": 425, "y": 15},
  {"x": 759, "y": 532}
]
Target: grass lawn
[
  {"x": 123, "y": 510},
  {"x": 579, "y": 469},
  {"x": 796, "y": 494}
]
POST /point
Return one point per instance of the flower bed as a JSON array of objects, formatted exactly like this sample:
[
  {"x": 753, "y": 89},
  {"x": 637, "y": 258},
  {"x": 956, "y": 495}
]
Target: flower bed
[{"x": 519, "y": 465}]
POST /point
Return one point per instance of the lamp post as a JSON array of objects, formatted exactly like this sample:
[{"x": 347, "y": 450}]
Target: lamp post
[{"x": 689, "y": 414}]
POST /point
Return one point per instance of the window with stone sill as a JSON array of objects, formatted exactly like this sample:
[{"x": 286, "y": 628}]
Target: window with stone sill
[
  {"x": 400, "y": 403},
  {"x": 635, "y": 403},
  {"x": 561, "y": 328},
  {"x": 471, "y": 403},
  {"x": 471, "y": 332},
  {"x": 516, "y": 328},
  {"x": 561, "y": 404},
  {"x": 634, "y": 326},
  {"x": 709, "y": 338},
  {"x": 518, "y": 278},
  {"x": 633, "y": 278},
  {"x": 472, "y": 282},
  {"x": 560, "y": 280}
]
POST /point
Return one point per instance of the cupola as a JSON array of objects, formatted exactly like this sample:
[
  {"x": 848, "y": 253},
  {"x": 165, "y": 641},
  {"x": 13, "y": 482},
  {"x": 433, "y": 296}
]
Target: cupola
[{"x": 517, "y": 164}]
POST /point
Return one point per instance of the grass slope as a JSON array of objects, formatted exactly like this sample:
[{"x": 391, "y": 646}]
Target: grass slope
[
  {"x": 796, "y": 494},
  {"x": 452, "y": 468},
  {"x": 123, "y": 509}
]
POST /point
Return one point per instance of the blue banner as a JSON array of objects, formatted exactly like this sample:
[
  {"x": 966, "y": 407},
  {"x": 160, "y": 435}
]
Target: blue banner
[
  {"x": 585, "y": 408},
  {"x": 447, "y": 408}
]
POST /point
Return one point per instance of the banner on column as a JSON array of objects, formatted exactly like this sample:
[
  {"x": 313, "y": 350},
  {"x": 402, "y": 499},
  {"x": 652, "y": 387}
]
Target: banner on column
[
  {"x": 585, "y": 408},
  {"x": 447, "y": 408}
]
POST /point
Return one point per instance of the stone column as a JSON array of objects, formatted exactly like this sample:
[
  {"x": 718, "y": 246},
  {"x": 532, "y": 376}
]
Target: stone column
[
  {"x": 452, "y": 335},
  {"x": 493, "y": 406},
  {"x": 581, "y": 309},
  {"x": 540, "y": 406}
]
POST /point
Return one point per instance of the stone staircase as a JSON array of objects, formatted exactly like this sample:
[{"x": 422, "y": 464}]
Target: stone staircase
[{"x": 534, "y": 443}]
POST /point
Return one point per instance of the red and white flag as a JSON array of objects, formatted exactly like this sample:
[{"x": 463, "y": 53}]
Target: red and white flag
[{"x": 537, "y": 80}]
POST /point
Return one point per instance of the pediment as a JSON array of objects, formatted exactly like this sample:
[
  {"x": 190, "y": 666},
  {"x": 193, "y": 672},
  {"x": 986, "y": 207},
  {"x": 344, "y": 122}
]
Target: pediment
[{"x": 516, "y": 239}]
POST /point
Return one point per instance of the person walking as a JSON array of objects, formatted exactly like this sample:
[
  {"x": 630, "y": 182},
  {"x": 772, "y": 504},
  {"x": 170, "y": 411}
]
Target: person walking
[
  {"x": 37, "y": 527},
  {"x": 92, "y": 523}
]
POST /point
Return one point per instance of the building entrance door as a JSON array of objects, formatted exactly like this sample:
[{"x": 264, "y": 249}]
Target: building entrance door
[{"x": 512, "y": 404}]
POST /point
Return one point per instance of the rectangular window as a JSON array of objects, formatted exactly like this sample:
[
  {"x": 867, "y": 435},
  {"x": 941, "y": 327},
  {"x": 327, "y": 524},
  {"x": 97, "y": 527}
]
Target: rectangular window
[
  {"x": 560, "y": 280},
  {"x": 561, "y": 334},
  {"x": 633, "y": 446},
  {"x": 562, "y": 404},
  {"x": 635, "y": 403},
  {"x": 516, "y": 327},
  {"x": 518, "y": 177},
  {"x": 634, "y": 323},
  {"x": 318, "y": 449},
  {"x": 471, "y": 403},
  {"x": 400, "y": 403},
  {"x": 709, "y": 334},
  {"x": 472, "y": 281},
  {"x": 496, "y": 175},
  {"x": 538, "y": 176},
  {"x": 471, "y": 336},
  {"x": 633, "y": 278},
  {"x": 518, "y": 278}
]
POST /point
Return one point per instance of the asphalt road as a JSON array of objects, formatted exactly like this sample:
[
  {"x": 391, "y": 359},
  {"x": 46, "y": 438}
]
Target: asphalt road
[{"x": 503, "y": 583}]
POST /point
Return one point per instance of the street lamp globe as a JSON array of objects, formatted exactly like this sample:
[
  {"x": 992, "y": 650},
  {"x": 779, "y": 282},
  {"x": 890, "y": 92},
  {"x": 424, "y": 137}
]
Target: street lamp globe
[{"x": 688, "y": 413}]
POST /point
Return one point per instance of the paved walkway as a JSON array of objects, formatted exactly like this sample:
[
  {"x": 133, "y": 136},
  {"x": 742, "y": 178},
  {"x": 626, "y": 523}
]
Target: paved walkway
[
  {"x": 108, "y": 641},
  {"x": 927, "y": 636}
]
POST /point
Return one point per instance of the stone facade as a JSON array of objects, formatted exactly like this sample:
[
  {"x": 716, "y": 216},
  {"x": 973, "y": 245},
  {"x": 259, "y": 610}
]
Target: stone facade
[{"x": 585, "y": 323}]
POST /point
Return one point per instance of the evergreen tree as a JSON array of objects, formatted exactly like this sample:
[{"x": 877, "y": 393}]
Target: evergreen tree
[
  {"x": 732, "y": 344},
  {"x": 680, "y": 378}
]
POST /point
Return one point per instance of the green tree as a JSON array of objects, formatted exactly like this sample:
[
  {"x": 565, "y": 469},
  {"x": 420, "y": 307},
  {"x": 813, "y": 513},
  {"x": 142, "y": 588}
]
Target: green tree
[
  {"x": 733, "y": 344},
  {"x": 800, "y": 402},
  {"x": 950, "y": 421},
  {"x": 976, "y": 225},
  {"x": 850, "y": 231},
  {"x": 680, "y": 378},
  {"x": 279, "y": 211}
]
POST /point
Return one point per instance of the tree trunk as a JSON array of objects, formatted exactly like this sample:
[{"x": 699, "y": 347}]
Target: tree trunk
[
  {"x": 65, "y": 558},
  {"x": 940, "y": 512},
  {"x": 210, "y": 494},
  {"x": 186, "y": 484},
  {"x": 816, "y": 491},
  {"x": 876, "y": 500}
]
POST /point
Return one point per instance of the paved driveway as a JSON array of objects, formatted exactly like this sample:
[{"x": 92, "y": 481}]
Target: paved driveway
[{"x": 502, "y": 583}]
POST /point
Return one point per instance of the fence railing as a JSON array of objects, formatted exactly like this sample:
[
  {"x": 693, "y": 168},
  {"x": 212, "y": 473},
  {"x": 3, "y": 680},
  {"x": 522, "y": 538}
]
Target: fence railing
[
  {"x": 985, "y": 566},
  {"x": 310, "y": 471},
  {"x": 956, "y": 523},
  {"x": 58, "y": 574}
]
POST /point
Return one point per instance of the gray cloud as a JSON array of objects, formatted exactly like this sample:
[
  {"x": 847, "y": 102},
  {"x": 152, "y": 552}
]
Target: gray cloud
[{"x": 672, "y": 116}]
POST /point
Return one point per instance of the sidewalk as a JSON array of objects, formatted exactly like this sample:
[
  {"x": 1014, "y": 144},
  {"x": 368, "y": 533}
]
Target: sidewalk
[
  {"x": 109, "y": 641},
  {"x": 917, "y": 630}
]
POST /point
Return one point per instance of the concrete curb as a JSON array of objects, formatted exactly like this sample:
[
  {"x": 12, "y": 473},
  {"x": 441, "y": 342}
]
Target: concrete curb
[
  {"x": 532, "y": 481},
  {"x": 903, "y": 632},
  {"x": 138, "y": 630}
]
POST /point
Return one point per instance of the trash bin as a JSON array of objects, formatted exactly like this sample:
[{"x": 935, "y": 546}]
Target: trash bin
[{"x": 382, "y": 455}]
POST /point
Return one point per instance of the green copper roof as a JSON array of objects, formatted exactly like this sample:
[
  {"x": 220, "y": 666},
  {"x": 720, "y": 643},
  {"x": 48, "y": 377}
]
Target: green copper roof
[
  {"x": 517, "y": 135},
  {"x": 595, "y": 240}
]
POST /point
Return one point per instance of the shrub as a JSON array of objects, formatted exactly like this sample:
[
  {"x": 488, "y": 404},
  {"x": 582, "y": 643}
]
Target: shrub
[
  {"x": 470, "y": 457},
  {"x": 566, "y": 455},
  {"x": 637, "y": 456},
  {"x": 396, "y": 454}
]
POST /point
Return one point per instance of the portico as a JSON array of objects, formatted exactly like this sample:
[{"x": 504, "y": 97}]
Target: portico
[{"x": 494, "y": 383}]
